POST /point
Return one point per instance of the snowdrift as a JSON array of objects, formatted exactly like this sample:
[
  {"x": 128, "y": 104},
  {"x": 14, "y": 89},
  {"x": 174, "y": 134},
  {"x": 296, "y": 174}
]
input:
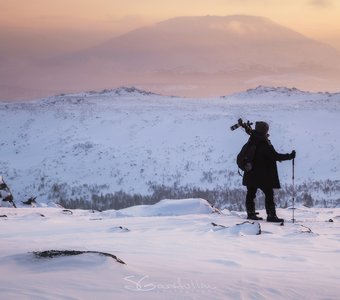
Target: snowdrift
[
  {"x": 241, "y": 229},
  {"x": 170, "y": 207}
]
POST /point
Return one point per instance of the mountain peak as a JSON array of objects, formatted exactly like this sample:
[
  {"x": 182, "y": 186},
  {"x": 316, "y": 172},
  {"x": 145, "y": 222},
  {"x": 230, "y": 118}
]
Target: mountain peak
[
  {"x": 271, "y": 92},
  {"x": 234, "y": 25},
  {"x": 81, "y": 98},
  {"x": 213, "y": 19},
  {"x": 275, "y": 90},
  {"x": 122, "y": 91}
]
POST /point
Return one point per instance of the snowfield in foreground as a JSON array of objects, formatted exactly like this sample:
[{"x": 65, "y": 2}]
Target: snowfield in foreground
[{"x": 171, "y": 251}]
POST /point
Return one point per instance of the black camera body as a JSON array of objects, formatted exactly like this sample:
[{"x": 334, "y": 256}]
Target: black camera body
[{"x": 245, "y": 125}]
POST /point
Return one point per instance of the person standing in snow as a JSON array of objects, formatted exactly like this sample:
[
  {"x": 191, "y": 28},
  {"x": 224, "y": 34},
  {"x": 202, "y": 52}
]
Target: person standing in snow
[{"x": 263, "y": 174}]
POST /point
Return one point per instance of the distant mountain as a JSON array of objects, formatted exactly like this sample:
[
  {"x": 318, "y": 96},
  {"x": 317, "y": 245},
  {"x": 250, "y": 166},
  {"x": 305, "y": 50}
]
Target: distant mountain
[
  {"x": 202, "y": 56},
  {"x": 212, "y": 45},
  {"x": 197, "y": 56}
]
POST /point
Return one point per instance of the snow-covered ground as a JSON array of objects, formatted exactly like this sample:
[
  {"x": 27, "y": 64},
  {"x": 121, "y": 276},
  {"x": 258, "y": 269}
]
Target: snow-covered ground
[
  {"x": 127, "y": 139},
  {"x": 171, "y": 251}
]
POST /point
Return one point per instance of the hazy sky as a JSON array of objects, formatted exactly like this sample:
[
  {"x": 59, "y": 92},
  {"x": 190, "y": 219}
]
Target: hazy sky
[
  {"x": 35, "y": 34},
  {"x": 318, "y": 19}
]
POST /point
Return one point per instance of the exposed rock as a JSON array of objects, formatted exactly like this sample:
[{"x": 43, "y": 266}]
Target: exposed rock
[{"x": 57, "y": 253}]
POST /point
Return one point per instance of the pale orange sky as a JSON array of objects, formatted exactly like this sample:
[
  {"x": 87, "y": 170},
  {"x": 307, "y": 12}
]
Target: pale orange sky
[{"x": 318, "y": 19}]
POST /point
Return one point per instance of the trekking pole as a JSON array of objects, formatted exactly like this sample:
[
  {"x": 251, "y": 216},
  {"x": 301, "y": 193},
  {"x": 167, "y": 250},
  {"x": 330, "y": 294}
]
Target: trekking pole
[{"x": 293, "y": 171}]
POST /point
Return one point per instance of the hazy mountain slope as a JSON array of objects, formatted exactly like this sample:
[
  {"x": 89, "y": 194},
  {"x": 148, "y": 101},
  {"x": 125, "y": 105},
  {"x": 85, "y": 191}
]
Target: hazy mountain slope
[
  {"x": 127, "y": 139},
  {"x": 211, "y": 55},
  {"x": 213, "y": 44},
  {"x": 186, "y": 56}
]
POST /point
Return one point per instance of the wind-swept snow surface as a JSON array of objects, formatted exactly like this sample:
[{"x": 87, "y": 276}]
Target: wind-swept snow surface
[{"x": 181, "y": 256}]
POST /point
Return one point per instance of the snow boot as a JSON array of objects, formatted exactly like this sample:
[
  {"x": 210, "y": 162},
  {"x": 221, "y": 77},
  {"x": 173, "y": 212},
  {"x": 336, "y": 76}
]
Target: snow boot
[
  {"x": 252, "y": 215},
  {"x": 250, "y": 207},
  {"x": 271, "y": 214},
  {"x": 274, "y": 218}
]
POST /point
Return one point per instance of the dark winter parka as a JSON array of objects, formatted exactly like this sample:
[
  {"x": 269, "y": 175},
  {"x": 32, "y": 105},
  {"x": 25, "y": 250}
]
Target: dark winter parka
[{"x": 264, "y": 170}]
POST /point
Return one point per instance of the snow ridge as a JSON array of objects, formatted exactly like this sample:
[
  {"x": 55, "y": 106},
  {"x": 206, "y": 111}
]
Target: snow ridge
[{"x": 270, "y": 91}]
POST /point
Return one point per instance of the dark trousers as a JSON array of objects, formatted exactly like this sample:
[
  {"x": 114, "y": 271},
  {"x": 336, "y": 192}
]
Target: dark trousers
[{"x": 269, "y": 200}]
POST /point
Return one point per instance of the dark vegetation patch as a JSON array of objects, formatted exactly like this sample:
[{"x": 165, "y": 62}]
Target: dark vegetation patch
[{"x": 58, "y": 253}]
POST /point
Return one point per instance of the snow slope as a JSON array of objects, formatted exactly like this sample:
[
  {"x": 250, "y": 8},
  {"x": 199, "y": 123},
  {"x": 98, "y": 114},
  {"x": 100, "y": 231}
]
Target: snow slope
[
  {"x": 179, "y": 256},
  {"x": 127, "y": 139}
]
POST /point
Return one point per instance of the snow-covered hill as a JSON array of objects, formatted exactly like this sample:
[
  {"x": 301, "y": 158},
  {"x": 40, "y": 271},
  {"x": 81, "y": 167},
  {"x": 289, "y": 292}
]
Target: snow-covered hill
[
  {"x": 99, "y": 143},
  {"x": 176, "y": 255}
]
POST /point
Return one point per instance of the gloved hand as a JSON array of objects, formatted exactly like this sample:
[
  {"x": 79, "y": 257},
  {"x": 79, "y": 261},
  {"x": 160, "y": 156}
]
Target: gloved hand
[{"x": 293, "y": 154}]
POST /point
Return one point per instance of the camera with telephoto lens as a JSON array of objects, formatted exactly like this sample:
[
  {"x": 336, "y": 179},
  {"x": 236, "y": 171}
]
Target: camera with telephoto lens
[{"x": 245, "y": 125}]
